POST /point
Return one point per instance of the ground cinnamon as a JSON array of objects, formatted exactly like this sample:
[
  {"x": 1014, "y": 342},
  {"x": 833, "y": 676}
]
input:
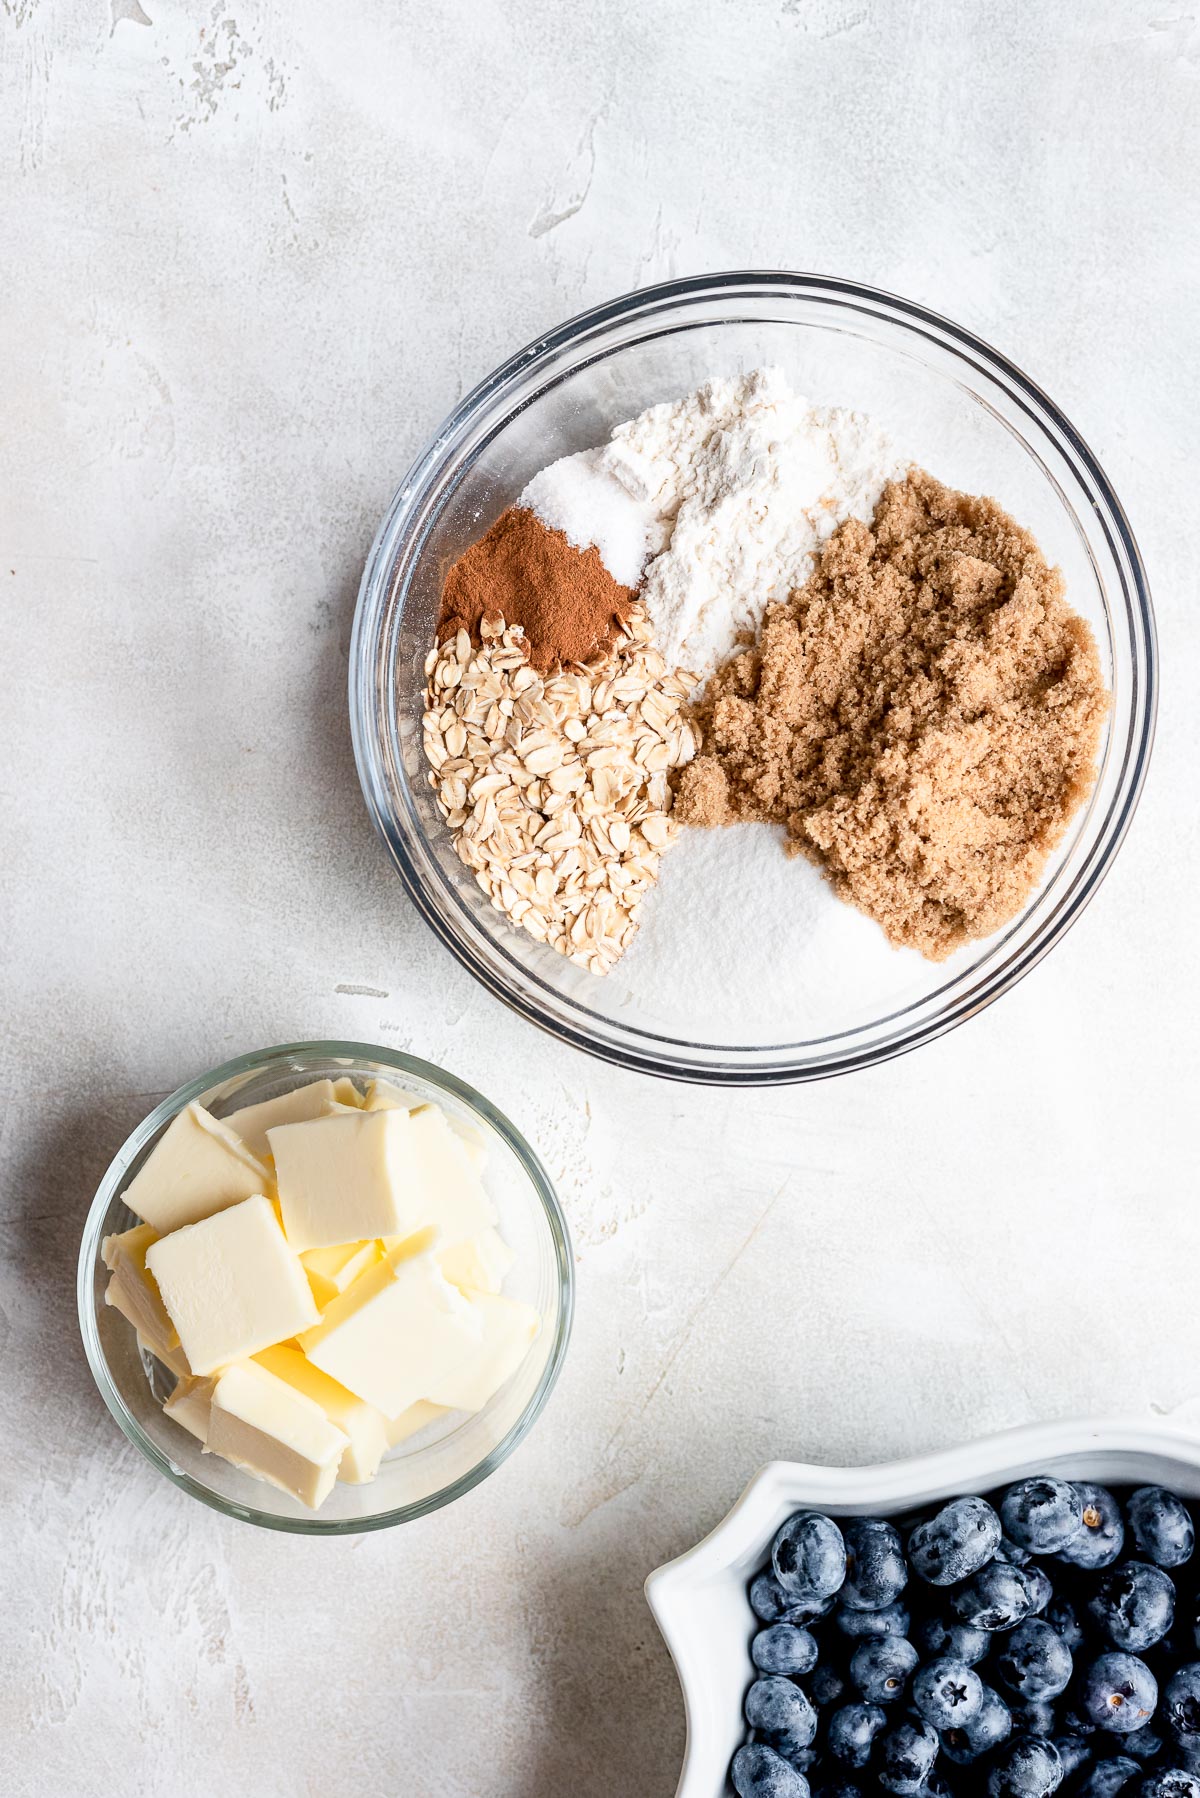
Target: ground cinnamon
[
  {"x": 521, "y": 571},
  {"x": 923, "y": 716}
]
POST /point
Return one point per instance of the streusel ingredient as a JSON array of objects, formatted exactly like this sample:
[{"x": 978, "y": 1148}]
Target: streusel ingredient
[
  {"x": 563, "y": 599},
  {"x": 924, "y": 716}
]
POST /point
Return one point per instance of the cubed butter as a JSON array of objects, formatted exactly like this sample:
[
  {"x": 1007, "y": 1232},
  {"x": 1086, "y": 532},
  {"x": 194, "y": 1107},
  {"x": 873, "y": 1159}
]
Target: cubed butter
[
  {"x": 263, "y": 1424},
  {"x": 399, "y": 1429},
  {"x": 446, "y": 1192},
  {"x": 330, "y": 1271},
  {"x": 232, "y": 1285},
  {"x": 479, "y": 1264},
  {"x": 132, "y": 1289},
  {"x": 453, "y": 1193},
  {"x": 344, "y": 1178},
  {"x": 173, "y": 1359},
  {"x": 399, "y": 1330},
  {"x": 197, "y": 1167},
  {"x": 303, "y": 1102},
  {"x": 190, "y": 1404},
  {"x": 346, "y": 1093},
  {"x": 383, "y": 1096},
  {"x": 365, "y": 1427},
  {"x": 509, "y": 1328},
  {"x": 476, "y": 1152}
]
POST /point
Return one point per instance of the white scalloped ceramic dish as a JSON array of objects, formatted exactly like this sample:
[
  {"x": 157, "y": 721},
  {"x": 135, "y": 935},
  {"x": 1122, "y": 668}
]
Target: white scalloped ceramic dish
[{"x": 699, "y": 1600}]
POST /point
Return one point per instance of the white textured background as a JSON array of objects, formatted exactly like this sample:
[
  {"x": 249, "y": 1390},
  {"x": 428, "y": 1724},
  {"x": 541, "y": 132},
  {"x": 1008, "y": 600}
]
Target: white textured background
[{"x": 250, "y": 257}]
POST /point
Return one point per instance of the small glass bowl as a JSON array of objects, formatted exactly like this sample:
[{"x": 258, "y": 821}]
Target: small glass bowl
[
  {"x": 450, "y": 1456},
  {"x": 746, "y": 1004}
]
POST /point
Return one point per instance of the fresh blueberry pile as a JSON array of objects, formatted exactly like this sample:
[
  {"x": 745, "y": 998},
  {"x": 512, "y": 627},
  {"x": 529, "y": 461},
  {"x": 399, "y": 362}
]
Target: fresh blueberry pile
[{"x": 1046, "y": 1640}]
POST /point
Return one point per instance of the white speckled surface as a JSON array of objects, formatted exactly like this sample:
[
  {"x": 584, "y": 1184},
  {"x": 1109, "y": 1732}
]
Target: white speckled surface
[{"x": 251, "y": 256}]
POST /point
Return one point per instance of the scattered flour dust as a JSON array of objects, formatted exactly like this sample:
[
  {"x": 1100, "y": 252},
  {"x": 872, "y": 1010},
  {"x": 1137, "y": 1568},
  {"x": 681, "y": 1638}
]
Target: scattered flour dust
[{"x": 724, "y": 496}]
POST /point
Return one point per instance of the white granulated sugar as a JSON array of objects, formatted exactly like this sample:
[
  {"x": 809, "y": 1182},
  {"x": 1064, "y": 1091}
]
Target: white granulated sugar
[
  {"x": 751, "y": 480},
  {"x": 578, "y": 497},
  {"x": 740, "y": 942}
]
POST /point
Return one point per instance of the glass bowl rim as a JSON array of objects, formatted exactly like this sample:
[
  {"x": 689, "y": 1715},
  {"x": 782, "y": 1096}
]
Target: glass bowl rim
[
  {"x": 286, "y": 1055},
  {"x": 664, "y": 1056}
]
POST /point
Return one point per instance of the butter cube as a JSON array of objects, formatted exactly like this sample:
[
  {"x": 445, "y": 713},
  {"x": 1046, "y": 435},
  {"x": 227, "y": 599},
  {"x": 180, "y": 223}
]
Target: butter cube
[
  {"x": 399, "y": 1330},
  {"x": 508, "y": 1330},
  {"x": 173, "y": 1359},
  {"x": 197, "y": 1167},
  {"x": 231, "y": 1284},
  {"x": 132, "y": 1290},
  {"x": 365, "y": 1427},
  {"x": 476, "y": 1152},
  {"x": 264, "y": 1425},
  {"x": 399, "y": 1429},
  {"x": 346, "y": 1093},
  {"x": 330, "y": 1271},
  {"x": 446, "y": 1192},
  {"x": 479, "y": 1264},
  {"x": 453, "y": 1194},
  {"x": 304, "y": 1102},
  {"x": 344, "y": 1178},
  {"x": 190, "y": 1404},
  {"x": 383, "y": 1096}
]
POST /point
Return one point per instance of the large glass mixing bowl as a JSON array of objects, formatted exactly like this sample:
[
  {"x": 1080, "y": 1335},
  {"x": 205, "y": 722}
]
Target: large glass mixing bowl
[{"x": 738, "y": 1008}]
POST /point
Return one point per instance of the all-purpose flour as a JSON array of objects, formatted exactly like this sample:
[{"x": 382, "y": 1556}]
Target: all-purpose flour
[{"x": 728, "y": 492}]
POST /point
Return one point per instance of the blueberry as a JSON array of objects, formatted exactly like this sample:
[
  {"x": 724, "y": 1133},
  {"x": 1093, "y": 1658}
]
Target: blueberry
[
  {"x": 758, "y": 1772},
  {"x": 906, "y": 1756},
  {"x": 1107, "y": 1778},
  {"x": 772, "y": 1604},
  {"x": 1075, "y": 1721},
  {"x": 947, "y": 1693},
  {"x": 1161, "y": 1526},
  {"x": 891, "y": 1620},
  {"x": 1062, "y": 1616},
  {"x": 1171, "y": 1782},
  {"x": 768, "y": 1600},
  {"x": 1026, "y": 1768},
  {"x": 809, "y": 1557},
  {"x": 1134, "y": 1605},
  {"x": 1144, "y": 1744},
  {"x": 957, "y": 1542},
  {"x": 991, "y": 1725},
  {"x": 1100, "y": 1541},
  {"x": 779, "y": 1708},
  {"x": 784, "y": 1649},
  {"x": 1035, "y": 1662},
  {"x": 1042, "y": 1514},
  {"x": 1034, "y": 1716},
  {"x": 1181, "y": 1704},
  {"x": 880, "y": 1668},
  {"x": 1187, "y": 1622},
  {"x": 935, "y": 1636},
  {"x": 1119, "y": 1693},
  {"x": 997, "y": 1597},
  {"x": 1041, "y": 1589},
  {"x": 826, "y": 1687},
  {"x": 1011, "y": 1552},
  {"x": 1074, "y": 1752},
  {"x": 876, "y": 1572},
  {"x": 852, "y": 1731}
]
